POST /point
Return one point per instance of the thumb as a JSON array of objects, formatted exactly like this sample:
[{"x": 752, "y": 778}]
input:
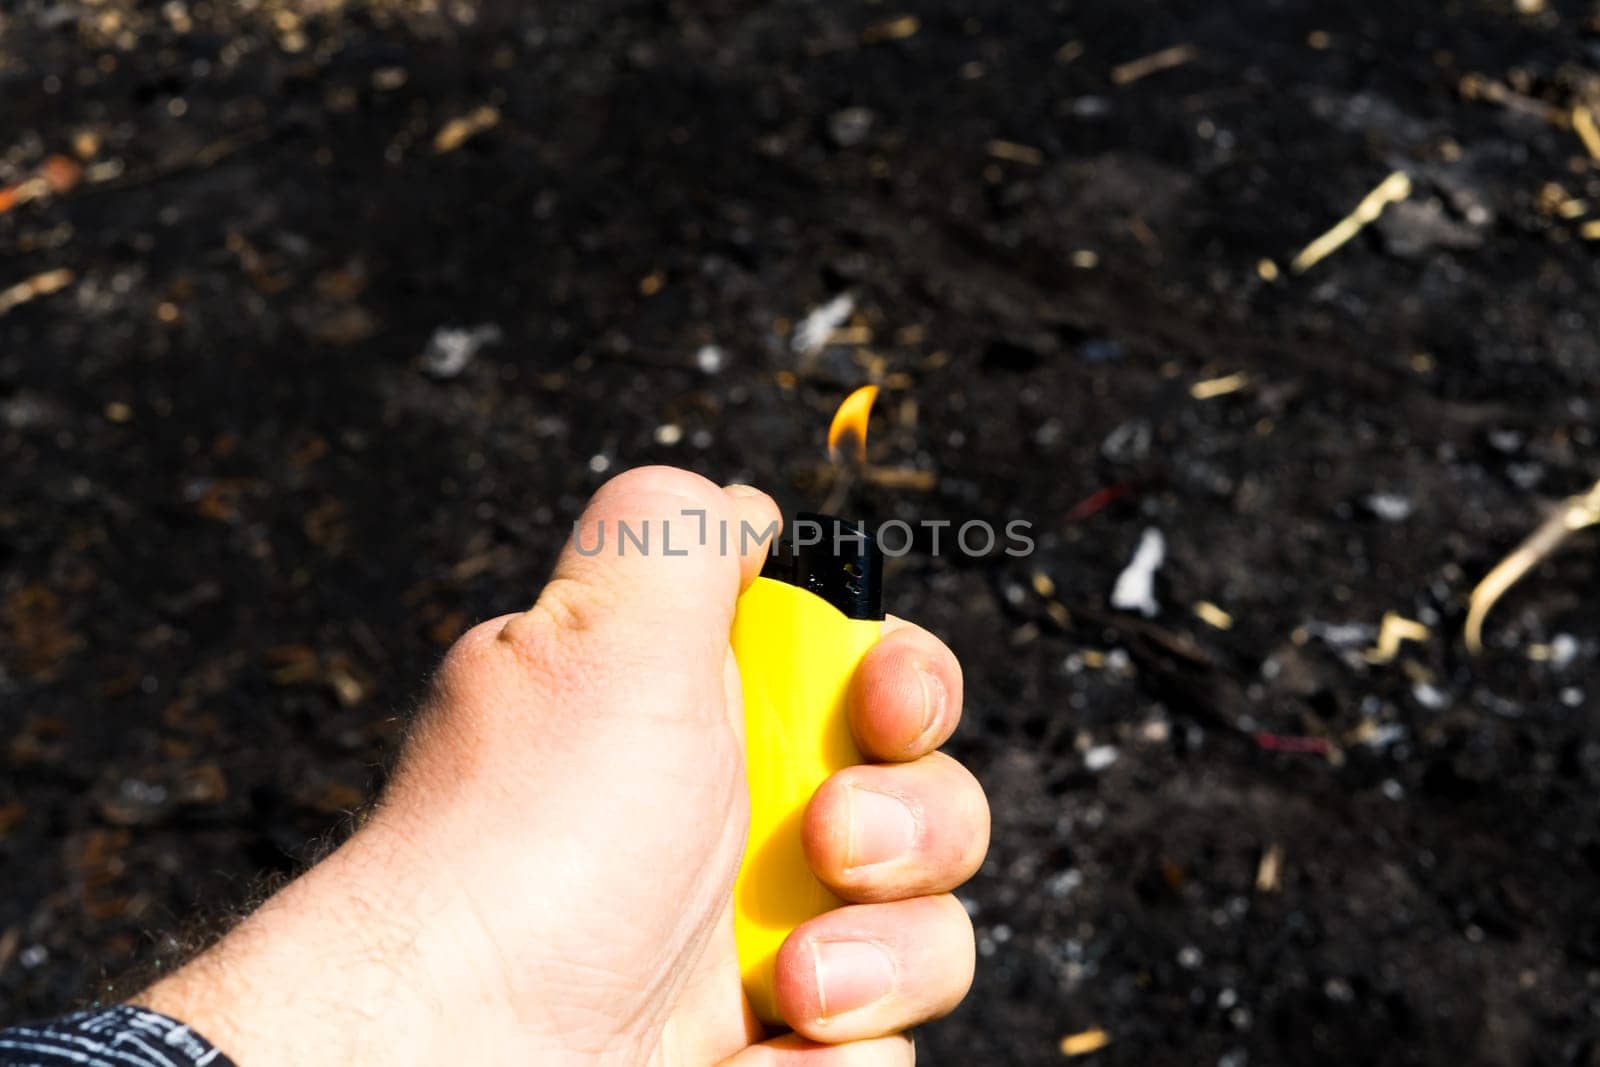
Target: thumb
[
  {"x": 644, "y": 592},
  {"x": 631, "y": 631}
]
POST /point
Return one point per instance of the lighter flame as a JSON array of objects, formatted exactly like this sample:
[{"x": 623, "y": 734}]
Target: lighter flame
[{"x": 850, "y": 421}]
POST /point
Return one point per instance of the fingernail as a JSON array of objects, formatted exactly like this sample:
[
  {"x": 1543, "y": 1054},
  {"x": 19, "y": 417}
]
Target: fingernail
[
  {"x": 851, "y": 975},
  {"x": 882, "y": 827},
  {"x": 933, "y": 698},
  {"x": 739, "y": 489}
]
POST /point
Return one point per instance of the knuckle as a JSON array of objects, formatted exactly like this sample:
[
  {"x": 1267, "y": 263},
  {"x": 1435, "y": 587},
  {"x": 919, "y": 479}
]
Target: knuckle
[
  {"x": 556, "y": 639},
  {"x": 467, "y": 657},
  {"x": 566, "y": 604}
]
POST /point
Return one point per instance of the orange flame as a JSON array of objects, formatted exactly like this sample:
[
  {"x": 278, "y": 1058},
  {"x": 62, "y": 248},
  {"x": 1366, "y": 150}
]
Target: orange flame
[{"x": 850, "y": 421}]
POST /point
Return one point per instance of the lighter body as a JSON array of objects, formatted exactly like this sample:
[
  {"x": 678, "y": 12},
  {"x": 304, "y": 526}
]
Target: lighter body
[{"x": 797, "y": 653}]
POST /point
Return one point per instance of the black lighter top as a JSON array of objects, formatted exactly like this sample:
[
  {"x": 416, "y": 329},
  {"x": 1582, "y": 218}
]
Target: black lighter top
[{"x": 834, "y": 558}]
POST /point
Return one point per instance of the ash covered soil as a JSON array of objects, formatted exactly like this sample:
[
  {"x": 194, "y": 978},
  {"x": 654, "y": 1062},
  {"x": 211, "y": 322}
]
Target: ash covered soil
[{"x": 245, "y": 506}]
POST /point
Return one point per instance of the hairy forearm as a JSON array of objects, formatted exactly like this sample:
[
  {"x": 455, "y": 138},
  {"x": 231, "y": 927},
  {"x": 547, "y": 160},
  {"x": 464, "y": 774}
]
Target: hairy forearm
[{"x": 352, "y": 962}]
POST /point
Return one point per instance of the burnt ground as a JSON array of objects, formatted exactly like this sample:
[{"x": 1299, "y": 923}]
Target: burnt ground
[{"x": 240, "y": 519}]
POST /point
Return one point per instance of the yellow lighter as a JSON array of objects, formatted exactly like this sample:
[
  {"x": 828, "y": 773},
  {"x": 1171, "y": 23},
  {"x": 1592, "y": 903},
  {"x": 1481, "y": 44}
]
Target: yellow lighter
[{"x": 799, "y": 633}]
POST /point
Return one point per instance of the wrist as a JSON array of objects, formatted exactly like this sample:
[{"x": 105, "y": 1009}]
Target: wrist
[{"x": 362, "y": 958}]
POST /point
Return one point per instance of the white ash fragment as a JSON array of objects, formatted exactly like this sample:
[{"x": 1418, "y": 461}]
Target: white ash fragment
[
  {"x": 1100, "y": 757},
  {"x": 1506, "y": 441},
  {"x": 1390, "y": 507},
  {"x": 1563, "y": 650},
  {"x": 1384, "y": 735},
  {"x": 1063, "y": 885},
  {"x": 1430, "y": 696},
  {"x": 1525, "y": 476},
  {"x": 27, "y": 410},
  {"x": 1342, "y": 635},
  {"x": 850, "y": 126},
  {"x": 710, "y": 359},
  {"x": 814, "y": 330},
  {"x": 1049, "y": 433},
  {"x": 1414, "y": 228},
  {"x": 1338, "y": 990},
  {"x": 1155, "y": 731},
  {"x": 1129, "y": 442},
  {"x": 1136, "y": 585},
  {"x": 451, "y": 348}
]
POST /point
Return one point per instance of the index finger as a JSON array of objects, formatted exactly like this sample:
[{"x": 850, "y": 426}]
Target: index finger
[{"x": 905, "y": 697}]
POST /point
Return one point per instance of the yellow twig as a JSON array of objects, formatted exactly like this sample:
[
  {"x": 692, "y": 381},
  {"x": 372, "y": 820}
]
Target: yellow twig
[
  {"x": 1131, "y": 71},
  {"x": 1393, "y": 630},
  {"x": 1213, "y": 616},
  {"x": 1269, "y": 870},
  {"x": 1575, "y": 514},
  {"x": 1012, "y": 152},
  {"x": 1069, "y": 51},
  {"x": 458, "y": 131},
  {"x": 1212, "y": 388},
  {"x": 43, "y": 284},
  {"x": 1583, "y": 123},
  {"x": 895, "y": 29},
  {"x": 1081, "y": 1044},
  {"x": 1478, "y": 87},
  {"x": 1394, "y": 188}
]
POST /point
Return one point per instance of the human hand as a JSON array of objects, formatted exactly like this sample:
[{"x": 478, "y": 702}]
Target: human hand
[{"x": 548, "y": 877}]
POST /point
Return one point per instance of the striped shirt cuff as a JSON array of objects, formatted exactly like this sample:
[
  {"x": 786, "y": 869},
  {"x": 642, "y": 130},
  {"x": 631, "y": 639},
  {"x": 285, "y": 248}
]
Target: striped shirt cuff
[{"x": 123, "y": 1036}]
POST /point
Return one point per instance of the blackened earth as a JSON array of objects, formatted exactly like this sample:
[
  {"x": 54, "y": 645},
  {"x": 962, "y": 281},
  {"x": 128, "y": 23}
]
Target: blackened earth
[{"x": 244, "y": 507}]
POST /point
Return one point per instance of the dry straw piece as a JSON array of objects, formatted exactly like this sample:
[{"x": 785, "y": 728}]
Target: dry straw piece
[
  {"x": 1081, "y": 1044},
  {"x": 1393, "y": 189},
  {"x": 1575, "y": 514},
  {"x": 1131, "y": 71},
  {"x": 43, "y": 284}
]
